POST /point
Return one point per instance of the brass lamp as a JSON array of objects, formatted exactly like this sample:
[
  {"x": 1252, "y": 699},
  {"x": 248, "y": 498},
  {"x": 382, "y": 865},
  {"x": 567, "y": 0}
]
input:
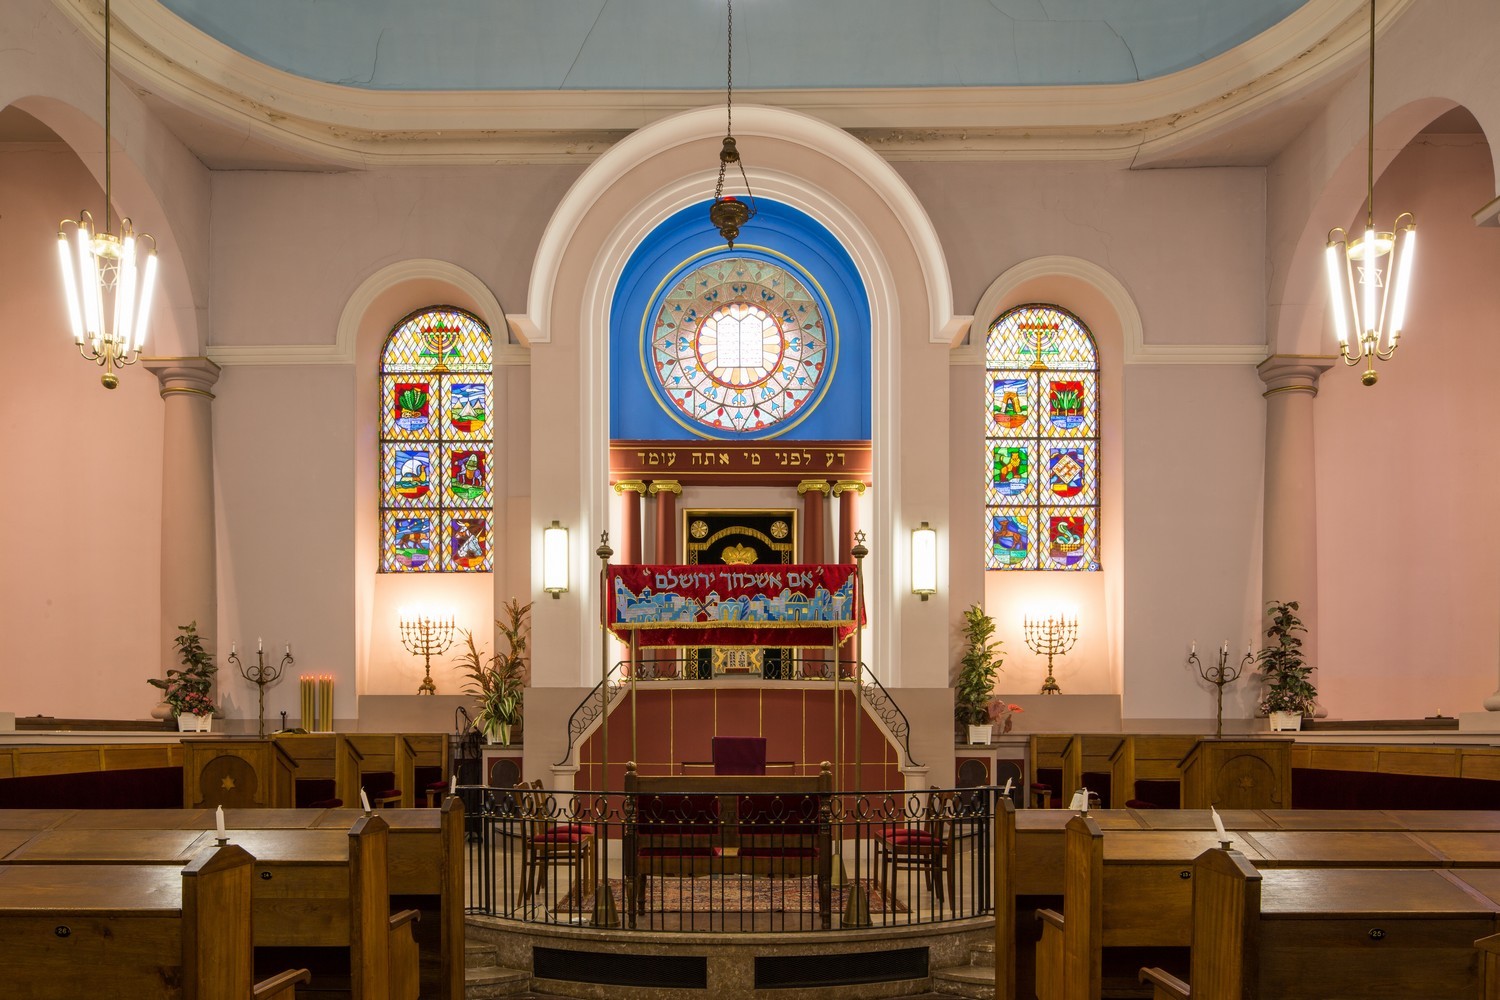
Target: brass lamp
[
  {"x": 1374, "y": 303},
  {"x": 107, "y": 279}
]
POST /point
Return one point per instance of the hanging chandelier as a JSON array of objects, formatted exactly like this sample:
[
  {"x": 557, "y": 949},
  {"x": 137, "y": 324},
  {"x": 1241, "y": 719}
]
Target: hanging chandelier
[
  {"x": 1373, "y": 303},
  {"x": 108, "y": 278},
  {"x": 728, "y": 213}
]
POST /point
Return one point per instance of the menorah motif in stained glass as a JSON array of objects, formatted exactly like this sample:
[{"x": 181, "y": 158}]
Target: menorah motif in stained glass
[{"x": 1042, "y": 468}]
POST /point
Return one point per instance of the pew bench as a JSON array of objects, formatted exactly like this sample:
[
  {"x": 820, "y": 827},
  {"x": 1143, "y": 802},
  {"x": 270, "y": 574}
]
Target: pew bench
[
  {"x": 146, "y": 931},
  {"x": 1330, "y": 933}
]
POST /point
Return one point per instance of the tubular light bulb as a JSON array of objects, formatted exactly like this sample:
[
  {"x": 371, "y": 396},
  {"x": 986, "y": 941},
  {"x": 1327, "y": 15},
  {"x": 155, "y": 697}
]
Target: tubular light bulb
[
  {"x": 1406, "y": 259},
  {"x": 1340, "y": 313},
  {"x": 1370, "y": 322},
  {"x": 143, "y": 313},
  {"x": 125, "y": 297},
  {"x": 70, "y": 286}
]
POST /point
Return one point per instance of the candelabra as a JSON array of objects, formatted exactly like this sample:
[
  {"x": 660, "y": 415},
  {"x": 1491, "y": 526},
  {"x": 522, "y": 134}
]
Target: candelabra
[
  {"x": 261, "y": 674},
  {"x": 1049, "y": 637},
  {"x": 426, "y": 636},
  {"x": 1219, "y": 676}
]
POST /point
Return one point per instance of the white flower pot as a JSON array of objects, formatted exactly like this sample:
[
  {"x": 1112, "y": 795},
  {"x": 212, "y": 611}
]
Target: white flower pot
[
  {"x": 981, "y": 734},
  {"x": 195, "y": 723},
  {"x": 1285, "y": 721}
]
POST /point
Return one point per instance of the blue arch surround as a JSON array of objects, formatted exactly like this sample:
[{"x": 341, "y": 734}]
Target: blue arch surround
[{"x": 783, "y": 235}]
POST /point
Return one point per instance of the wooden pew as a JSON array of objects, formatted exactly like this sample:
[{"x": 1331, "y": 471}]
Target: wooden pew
[
  {"x": 325, "y": 757},
  {"x": 1089, "y": 754},
  {"x": 1300, "y": 934},
  {"x": 1134, "y": 888},
  {"x": 312, "y": 887},
  {"x": 1146, "y": 758},
  {"x": 142, "y": 931},
  {"x": 388, "y": 753}
]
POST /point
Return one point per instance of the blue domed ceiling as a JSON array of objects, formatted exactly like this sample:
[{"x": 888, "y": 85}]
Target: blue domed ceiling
[{"x": 679, "y": 44}]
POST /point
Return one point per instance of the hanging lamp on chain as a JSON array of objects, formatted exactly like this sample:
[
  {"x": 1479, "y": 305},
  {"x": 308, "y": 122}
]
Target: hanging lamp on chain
[
  {"x": 1371, "y": 303},
  {"x": 108, "y": 279},
  {"x": 728, "y": 213}
]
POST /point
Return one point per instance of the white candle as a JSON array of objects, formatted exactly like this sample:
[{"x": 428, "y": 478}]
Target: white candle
[
  {"x": 452, "y": 784},
  {"x": 364, "y": 800},
  {"x": 1218, "y": 825},
  {"x": 219, "y": 821},
  {"x": 259, "y": 647},
  {"x": 1226, "y": 645},
  {"x": 233, "y": 648},
  {"x": 288, "y": 649},
  {"x": 1195, "y": 646},
  {"x": 1006, "y": 790}
]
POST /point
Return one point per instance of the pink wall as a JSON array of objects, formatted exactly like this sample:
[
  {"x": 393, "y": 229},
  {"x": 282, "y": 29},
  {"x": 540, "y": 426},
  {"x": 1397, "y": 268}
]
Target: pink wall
[
  {"x": 1408, "y": 545},
  {"x": 80, "y": 600}
]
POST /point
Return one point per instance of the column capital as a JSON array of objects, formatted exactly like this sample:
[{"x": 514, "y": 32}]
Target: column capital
[
  {"x": 849, "y": 486},
  {"x": 813, "y": 486},
  {"x": 631, "y": 486},
  {"x": 1294, "y": 372},
  {"x": 190, "y": 375},
  {"x": 665, "y": 486}
]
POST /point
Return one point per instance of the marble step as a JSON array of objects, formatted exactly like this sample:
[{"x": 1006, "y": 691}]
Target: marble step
[
  {"x": 982, "y": 955},
  {"x": 977, "y": 981},
  {"x": 486, "y": 981},
  {"x": 478, "y": 954}
]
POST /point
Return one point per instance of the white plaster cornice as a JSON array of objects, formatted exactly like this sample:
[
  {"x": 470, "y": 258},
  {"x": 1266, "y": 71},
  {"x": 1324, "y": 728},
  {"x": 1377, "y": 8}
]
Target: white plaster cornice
[
  {"x": 352, "y": 127},
  {"x": 341, "y": 351}
]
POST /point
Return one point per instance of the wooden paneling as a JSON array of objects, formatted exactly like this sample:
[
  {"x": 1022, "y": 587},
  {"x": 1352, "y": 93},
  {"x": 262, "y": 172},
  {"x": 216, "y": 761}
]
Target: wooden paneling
[{"x": 1238, "y": 774}]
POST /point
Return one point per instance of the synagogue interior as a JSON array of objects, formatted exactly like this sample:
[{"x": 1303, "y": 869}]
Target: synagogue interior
[{"x": 635, "y": 499}]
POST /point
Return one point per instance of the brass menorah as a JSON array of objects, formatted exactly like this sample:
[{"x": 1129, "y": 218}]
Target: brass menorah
[
  {"x": 1049, "y": 637},
  {"x": 262, "y": 675},
  {"x": 1220, "y": 675},
  {"x": 426, "y": 636}
]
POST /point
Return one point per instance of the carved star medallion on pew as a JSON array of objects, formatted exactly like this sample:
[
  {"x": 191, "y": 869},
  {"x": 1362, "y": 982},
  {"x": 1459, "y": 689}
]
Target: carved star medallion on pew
[{"x": 227, "y": 783}]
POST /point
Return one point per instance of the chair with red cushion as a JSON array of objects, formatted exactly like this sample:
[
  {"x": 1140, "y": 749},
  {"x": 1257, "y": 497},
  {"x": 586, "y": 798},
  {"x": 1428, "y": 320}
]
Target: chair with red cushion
[
  {"x": 925, "y": 844},
  {"x": 551, "y": 842}
]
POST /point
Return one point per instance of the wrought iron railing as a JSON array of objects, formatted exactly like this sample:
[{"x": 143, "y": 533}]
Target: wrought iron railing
[
  {"x": 733, "y": 860},
  {"x": 589, "y": 709},
  {"x": 889, "y": 713}
]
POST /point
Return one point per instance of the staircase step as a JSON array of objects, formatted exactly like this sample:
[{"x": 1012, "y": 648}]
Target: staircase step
[
  {"x": 977, "y": 981},
  {"x": 983, "y": 954},
  {"x": 478, "y": 954},
  {"x": 493, "y": 981}
]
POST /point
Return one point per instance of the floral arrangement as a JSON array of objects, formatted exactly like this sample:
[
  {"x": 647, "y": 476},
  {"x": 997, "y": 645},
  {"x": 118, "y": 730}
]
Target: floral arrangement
[
  {"x": 189, "y": 691},
  {"x": 1002, "y": 713},
  {"x": 499, "y": 682}
]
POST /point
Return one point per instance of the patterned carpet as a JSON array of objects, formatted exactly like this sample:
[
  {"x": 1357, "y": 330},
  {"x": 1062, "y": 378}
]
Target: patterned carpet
[{"x": 731, "y": 894}]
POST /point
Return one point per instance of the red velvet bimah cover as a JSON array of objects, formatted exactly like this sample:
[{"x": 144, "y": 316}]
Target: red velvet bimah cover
[{"x": 781, "y": 605}]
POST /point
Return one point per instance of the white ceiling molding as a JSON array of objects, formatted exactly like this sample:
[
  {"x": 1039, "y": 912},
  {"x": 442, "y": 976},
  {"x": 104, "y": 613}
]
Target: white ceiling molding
[
  {"x": 998, "y": 297},
  {"x": 351, "y": 127},
  {"x": 341, "y": 351}
]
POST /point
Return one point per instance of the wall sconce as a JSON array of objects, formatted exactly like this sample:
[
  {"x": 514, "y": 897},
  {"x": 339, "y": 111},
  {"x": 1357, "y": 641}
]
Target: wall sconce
[
  {"x": 555, "y": 559},
  {"x": 924, "y": 560}
]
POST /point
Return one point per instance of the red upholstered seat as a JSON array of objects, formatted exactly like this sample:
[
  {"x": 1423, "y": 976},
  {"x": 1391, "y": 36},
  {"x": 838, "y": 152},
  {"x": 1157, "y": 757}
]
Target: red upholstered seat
[
  {"x": 907, "y": 836},
  {"x": 561, "y": 836}
]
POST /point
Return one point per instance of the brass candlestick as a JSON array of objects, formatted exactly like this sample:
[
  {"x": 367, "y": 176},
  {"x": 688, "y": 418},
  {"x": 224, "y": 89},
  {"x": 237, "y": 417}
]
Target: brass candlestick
[
  {"x": 262, "y": 674},
  {"x": 426, "y": 636},
  {"x": 1219, "y": 676},
  {"x": 1049, "y": 637}
]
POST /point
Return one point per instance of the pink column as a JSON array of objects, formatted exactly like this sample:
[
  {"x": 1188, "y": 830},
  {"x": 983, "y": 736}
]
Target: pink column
[
  {"x": 814, "y": 493},
  {"x": 1289, "y": 569},
  {"x": 630, "y": 491},
  {"x": 847, "y": 491},
  {"x": 189, "y": 581},
  {"x": 666, "y": 492}
]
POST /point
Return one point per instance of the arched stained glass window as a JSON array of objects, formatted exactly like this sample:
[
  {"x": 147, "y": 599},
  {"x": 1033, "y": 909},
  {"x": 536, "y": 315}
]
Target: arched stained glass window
[
  {"x": 437, "y": 444},
  {"x": 1041, "y": 442}
]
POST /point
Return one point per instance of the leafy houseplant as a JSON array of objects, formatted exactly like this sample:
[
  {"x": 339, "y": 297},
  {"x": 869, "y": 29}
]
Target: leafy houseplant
[
  {"x": 977, "y": 669},
  {"x": 1282, "y": 669},
  {"x": 189, "y": 691},
  {"x": 499, "y": 681}
]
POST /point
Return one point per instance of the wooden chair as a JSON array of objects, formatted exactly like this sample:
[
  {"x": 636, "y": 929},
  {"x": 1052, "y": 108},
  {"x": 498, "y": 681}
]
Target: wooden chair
[
  {"x": 548, "y": 842},
  {"x": 928, "y": 846}
]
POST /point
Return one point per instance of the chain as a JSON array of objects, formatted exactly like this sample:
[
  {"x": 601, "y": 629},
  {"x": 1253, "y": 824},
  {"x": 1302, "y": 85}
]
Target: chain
[{"x": 728, "y": 102}]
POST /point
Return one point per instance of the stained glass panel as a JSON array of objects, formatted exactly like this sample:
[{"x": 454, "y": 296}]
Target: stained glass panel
[
  {"x": 1042, "y": 442},
  {"x": 739, "y": 345},
  {"x": 436, "y": 450}
]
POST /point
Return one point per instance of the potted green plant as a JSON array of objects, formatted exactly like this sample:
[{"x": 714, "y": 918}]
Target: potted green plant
[
  {"x": 972, "y": 690},
  {"x": 1289, "y": 695},
  {"x": 189, "y": 691},
  {"x": 498, "y": 682}
]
